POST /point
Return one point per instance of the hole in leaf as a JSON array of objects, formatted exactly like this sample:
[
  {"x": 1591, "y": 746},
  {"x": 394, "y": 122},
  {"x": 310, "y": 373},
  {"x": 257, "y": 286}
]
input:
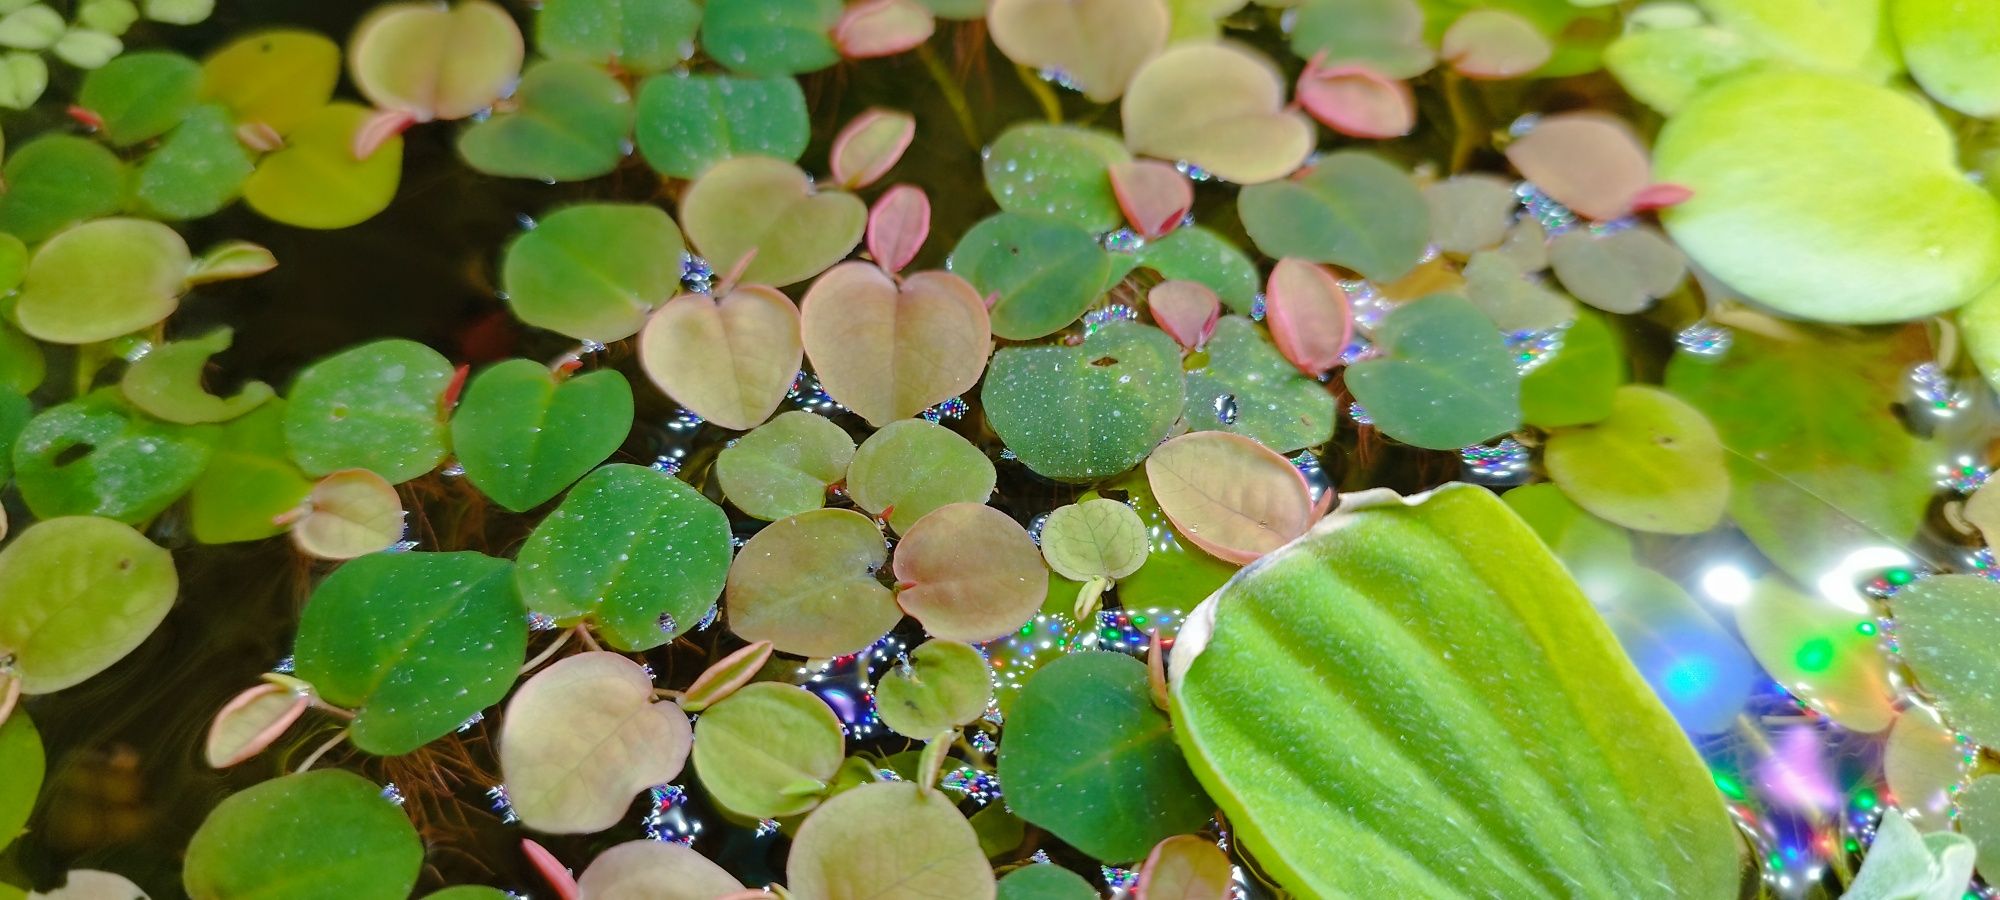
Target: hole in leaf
[
  {"x": 73, "y": 453},
  {"x": 1103, "y": 361}
]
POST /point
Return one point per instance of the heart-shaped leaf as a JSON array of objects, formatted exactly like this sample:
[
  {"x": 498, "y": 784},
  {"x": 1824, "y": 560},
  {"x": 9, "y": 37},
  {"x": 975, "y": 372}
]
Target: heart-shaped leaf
[
  {"x": 1352, "y": 209},
  {"x": 898, "y": 225},
  {"x": 96, "y": 456},
  {"x": 1045, "y": 272},
  {"x": 1056, "y": 171},
  {"x": 1185, "y": 866},
  {"x": 370, "y": 407},
  {"x": 688, "y": 123},
  {"x": 1358, "y": 101},
  {"x": 414, "y": 643},
  {"x": 1654, "y": 465},
  {"x": 767, "y": 207},
  {"x": 945, "y": 686},
  {"x": 1446, "y": 380},
  {"x": 101, "y": 279},
  {"x": 1395, "y": 612},
  {"x": 566, "y": 122},
  {"x": 1384, "y": 35},
  {"x": 768, "y": 750},
  {"x": 1096, "y": 45},
  {"x": 56, "y": 181},
  {"x": 583, "y": 736},
  {"x": 869, "y": 146},
  {"x": 876, "y": 28},
  {"x": 1198, "y": 254},
  {"x": 1186, "y": 310},
  {"x": 783, "y": 467},
  {"x": 1311, "y": 320},
  {"x": 1621, "y": 272},
  {"x": 1090, "y": 411},
  {"x": 1494, "y": 44},
  {"x": 21, "y": 754},
  {"x": 1100, "y": 538},
  {"x": 1090, "y": 758},
  {"x": 807, "y": 584},
  {"x": 1470, "y": 212},
  {"x": 251, "y": 721},
  {"x": 140, "y": 96},
  {"x": 938, "y": 854},
  {"x": 199, "y": 169},
  {"x": 592, "y": 271},
  {"x": 315, "y": 181},
  {"x": 1945, "y": 626},
  {"x": 911, "y": 467},
  {"x": 277, "y": 78},
  {"x": 969, "y": 572},
  {"x": 523, "y": 436},
  {"x": 1575, "y": 387},
  {"x": 638, "y": 553},
  {"x": 77, "y": 593},
  {"x": 1228, "y": 494},
  {"x": 1825, "y": 655},
  {"x": 250, "y": 481},
  {"x": 635, "y": 35},
  {"x": 771, "y": 37},
  {"x": 435, "y": 62},
  {"x": 166, "y": 383},
  {"x": 889, "y": 351},
  {"x": 659, "y": 869},
  {"x": 730, "y": 360},
  {"x": 331, "y": 823},
  {"x": 350, "y": 513},
  {"x": 1219, "y": 106},
  {"x": 1509, "y": 298}
]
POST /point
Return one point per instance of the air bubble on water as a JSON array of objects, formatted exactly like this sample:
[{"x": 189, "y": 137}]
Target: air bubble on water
[
  {"x": 697, "y": 276},
  {"x": 1504, "y": 462},
  {"x": 527, "y": 222},
  {"x": 541, "y": 622},
  {"x": 392, "y": 793},
  {"x": 1554, "y": 217},
  {"x": 1935, "y": 392},
  {"x": 1520, "y": 127},
  {"x": 1359, "y": 414},
  {"x": 708, "y": 618},
  {"x": 401, "y": 547},
  {"x": 1035, "y": 527},
  {"x": 666, "y": 623},
  {"x": 470, "y": 721},
  {"x": 284, "y": 666},
  {"x": 1225, "y": 409},
  {"x": 1192, "y": 171},
  {"x": 502, "y": 805},
  {"x": 453, "y": 469},
  {"x": 1059, "y": 78},
  {"x": 1124, "y": 240},
  {"x": 1533, "y": 348},
  {"x": 666, "y": 818},
  {"x": 1705, "y": 338}
]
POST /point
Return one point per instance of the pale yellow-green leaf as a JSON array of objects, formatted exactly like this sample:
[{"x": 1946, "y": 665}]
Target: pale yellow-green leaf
[{"x": 582, "y": 737}]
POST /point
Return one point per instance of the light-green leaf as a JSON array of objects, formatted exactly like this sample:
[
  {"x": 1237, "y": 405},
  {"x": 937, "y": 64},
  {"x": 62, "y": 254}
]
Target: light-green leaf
[
  {"x": 912, "y": 467},
  {"x": 199, "y": 169},
  {"x": 1058, "y": 172},
  {"x": 21, "y": 757},
  {"x": 945, "y": 686},
  {"x": 807, "y": 584},
  {"x": 567, "y": 122},
  {"x": 166, "y": 383},
  {"x": 1655, "y": 464},
  {"x": 783, "y": 467},
  {"x": 323, "y": 835},
  {"x": 375, "y": 406},
  {"x": 250, "y": 480},
  {"x": 57, "y": 180},
  {"x": 936, "y": 853},
  {"x": 583, "y": 736},
  {"x": 1576, "y": 385},
  {"x": 1947, "y": 627},
  {"x": 592, "y": 271},
  {"x": 76, "y": 595},
  {"x": 101, "y": 279},
  {"x": 768, "y": 750}
]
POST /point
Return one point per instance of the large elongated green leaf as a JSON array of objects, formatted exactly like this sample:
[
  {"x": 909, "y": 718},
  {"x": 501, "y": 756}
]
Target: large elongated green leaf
[{"x": 1347, "y": 691}]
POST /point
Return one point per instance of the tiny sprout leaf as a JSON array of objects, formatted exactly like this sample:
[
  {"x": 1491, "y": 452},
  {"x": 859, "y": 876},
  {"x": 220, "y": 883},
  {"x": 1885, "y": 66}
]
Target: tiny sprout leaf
[
  {"x": 783, "y": 467},
  {"x": 1219, "y": 106},
  {"x": 1621, "y": 272},
  {"x": 1186, "y": 310},
  {"x": 768, "y": 750},
  {"x": 875, "y": 28},
  {"x": 1591, "y": 162},
  {"x": 1352, "y": 209},
  {"x": 868, "y": 147},
  {"x": 726, "y": 676},
  {"x": 584, "y": 735},
  {"x": 101, "y": 279},
  {"x": 1184, "y": 867},
  {"x": 911, "y": 467},
  {"x": 1086, "y": 412},
  {"x": 140, "y": 96},
  {"x": 375, "y": 406},
  {"x": 77, "y": 593},
  {"x": 767, "y": 207},
  {"x": 566, "y": 122},
  {"x": 594, "y": 270},
  {"x": 1098, "y": 538},
  {"x": 661, "y": 870},
  {"x": 889, "y": 351},
  {"x": 1044, "y": 272},
  {"x": 1228, "y": 494},
  {"x": 635, "y": 35},
  {"x": 898, "y": 224},
  {"x": 350, "y": 513},
  {"x": 1357, "y": 101},
  {"x": 166, "y": 383},
  {"x": 1494, "y": 44},
  {"x": 1097, "y": 45},
  {"x": 433, "y": 61},
  {"x": 315, "y": 181},
  {"x": 730, "y": 360},
  {"x": 969, "y": 572},
  {"x": 1655, "y": 464},
  {"x": 331, "y": 823},
  {"x": 523, "y": 436},
  {"x": 56, "y": 181},
  {"x": 1310, "y": 315},
  {"x": 807, "y": 584},
  {"x": 277, "y": 78},
  {"x": 250, "y": 721},
  {"x": 935, "y": 854},
  {"x": 231, "y": 260},
  {"x": 688, "y": 123},
  {"x": 1446, "y": 380},
  {"x": 1155, "y": 196},
  {"x": 945, "y": 686}
]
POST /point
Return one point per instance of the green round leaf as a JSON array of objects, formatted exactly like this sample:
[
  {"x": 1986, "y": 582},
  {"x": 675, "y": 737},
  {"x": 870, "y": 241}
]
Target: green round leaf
[
  {"x": 807, "y": 584},
  {"x": 567, "y": 121},
  {"x": 771, "y": 37},
  {"x": 912, "y": 467},
  {"x": 523, "y": 436},
  {"x": 636, "y": 35},
  {"x": 77, "y": 593},
  {"x": 414, "y": 643},
  {"x": 1654, "y": 465},
  {"x": 1621, "y": 272},
  {"x": 765, "y": 206},
  {"x": 324, "y": 835},
  {"x": 1792, "y": 174},
  {"x": 250, "y": 480},
  {"x": 945, "y": 686},
  {"x": 582, "y": 737},
  {"x": 1056, "y": 171},
  {"x": 1045, "y": 271},
  {"x": 1387, "y": 36},
  {"x": 280, "y": 78},
  {"x": 1352, "y": 209},
  {"x": 102, "y": 279},
  {"x": 1090, "y": 411},
  {"x": 1947, "y": 627},
  {"x": 199, "y": 169},
  {"x": 57, "y": 180},
  {"x": 638, "y": 553},
  {"x": 141, "y": 95},
  {"x": 1249, "y": 388},
  {"x": 1099, "y": 538},
  {"x": 166, "y": 383},
  {"x": 21, "y": 756},
  {"x": 768, "y": 750},
  {"x": 935, "y": 854},
  {"x": 22, "y": 365},
  {"x": 373, "y": 407},
  {"x": 1045, "y": 881},
  {"x": 315, "y": 181},
  {"x": 687, "y": 123},
  {"x": 1445, "y": 380},
  {"x": 1194, "y": 253},
  {"x": 1576, "y": 385},
  {"x": 783, "y": 467},
  {"x": 95, "y": 456},
  {"x": 1089, "y": 757},
  {"x": 592, "y": 271}
]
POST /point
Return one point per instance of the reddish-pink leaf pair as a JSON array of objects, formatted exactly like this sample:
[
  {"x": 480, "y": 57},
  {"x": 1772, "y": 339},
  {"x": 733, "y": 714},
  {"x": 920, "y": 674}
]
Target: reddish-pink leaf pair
[
  {"x": 898, "y": 225},
  {"x": 1592, "y": 163},
  {"x": 1155, "y": 196},
  {"x": 882, "y": 28},
  {"x": 1356, "y": 100},
  {"x": 1310, "y": 315}
]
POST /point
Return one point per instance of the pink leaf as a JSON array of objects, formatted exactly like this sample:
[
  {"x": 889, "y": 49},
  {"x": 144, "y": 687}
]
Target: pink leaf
[
  {"x": 1357, "y": 101},
  {"x": 551, "y": 869},
  {"x": 882, "y": 28},
  {"x": 1661, "y": 196},
  {"x": 379, "y": 128},
  {"x": 1489, "y": 43},
  {"x": 725, "y": 676},
  {"x": 1309, "y": 313},
  {"x": 898, "y": 225},
  {"x": 1154, "y": 195},
  {"x": 1590, "y": 162},
  {"x": 869, "y": 146},
  {"x": 1228, "y": 494},
  {"x": 1186, "y": 310},
  {"x": 251, "y": 721}
]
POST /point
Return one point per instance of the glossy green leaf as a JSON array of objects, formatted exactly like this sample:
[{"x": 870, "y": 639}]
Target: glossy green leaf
[
  {"x": 592, "y": 271},
  {"x": 140, "y": 96},
  {"x": 582, "y": 737},
  {"x": 166, "y": 383},
  {"x": 1946, "y": 627},
  {"x": 315, "y": 181},
  {"x": 375, "y": 406},
  {"x": 771, "y": 37},
  {"x": 1045, "y": 881},
  {"x": 1100, "y": 538},
  {"x": 1352, "y": 209},
  {"x": 316, "y": 835},
  {"x": 1090, "y": 758},
  {"x": 77, "y": 593},
  {"x": 1046, "y": 272},
  {"x": 768, "y": 207},
  {"x": 1821, "y": 465},
  {"x": 1575, "y": 386},
  {"x": 280, "y": 78},
  {"x": 636, "y": 35},
  {"x": 566, "y": 121},
  {"x": 1090, "y": 411},
  {"x": 687, "y": 123},
  {"x": 638, "y": 553},
  {"x": 1389, "y": 619},
  {"x": 1445, "y": 380},
  {"x": 523, "y": 436},
  {"x": 414, "y": 643},
  {"x": 783, "y": 467},
  {"x": 1655, "y": 464},
  {"x": 1951, "y": 52},
  {"x": 95, "y": 456},
  {"x": 57, "y": 180},
  {"x": 911, "y": 467},
  {"x": 1837, "y": 36},
  {"x": 1194, "y": 253},
  {"x": 807, "y": 584},
  {"x": 1056, "y": 171},
  {"x": 199, "y": 169},
  {"x": 250, "y": 480},
  {"x": 21, "y": 756},
  {"x": 946, "y": 685},
  {"x": 102, "y": 279},
  {"x": 1248, "y": 388},
  {"x": 768, "y": 750}
]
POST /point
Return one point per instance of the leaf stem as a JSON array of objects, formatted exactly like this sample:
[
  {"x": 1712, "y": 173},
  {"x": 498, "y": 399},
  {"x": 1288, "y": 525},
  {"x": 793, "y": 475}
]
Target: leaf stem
[
  {"x": 1464, "y": 129},
  {"x": 323, "y": 749},
  {"x": 582, "y": 632},
  {"x": 1044, "y": 95},
  {"x": 547, "y": 652},
  {"x": 953, "y": 94}
]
